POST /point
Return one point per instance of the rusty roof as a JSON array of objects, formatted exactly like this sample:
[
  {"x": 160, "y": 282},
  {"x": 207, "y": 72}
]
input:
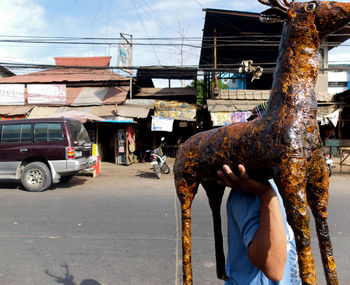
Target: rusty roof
[
  {"x": 83, "y": 61},
  {"x": 67, "y": 75}
]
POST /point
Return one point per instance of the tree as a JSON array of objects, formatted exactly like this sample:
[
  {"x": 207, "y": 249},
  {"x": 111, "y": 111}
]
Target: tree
[{"x": 201, "y": 97}]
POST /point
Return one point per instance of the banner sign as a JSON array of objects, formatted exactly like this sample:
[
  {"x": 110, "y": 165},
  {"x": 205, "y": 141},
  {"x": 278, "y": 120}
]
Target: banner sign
[
  {"x": 174, "y": 109},
  {"x": 226, "y": 118},
  {"x": 125, "y": 53},
  {"x": 12, "y": 94},
  {"x": 46, "y": 94},
  {"x": 162, "y": 124}
]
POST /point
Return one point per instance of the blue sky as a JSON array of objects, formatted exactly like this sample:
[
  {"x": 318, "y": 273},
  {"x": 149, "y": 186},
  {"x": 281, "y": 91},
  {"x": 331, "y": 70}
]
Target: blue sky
[{"x": 106, "y": 19}]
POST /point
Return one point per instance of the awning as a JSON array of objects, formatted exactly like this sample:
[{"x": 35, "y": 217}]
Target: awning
[
  {"x": 132, "y": 111},
  {"x": 14, "y": 110},
  {"x": 44, "y": 112},
  {"x": 119, "y": 120}
]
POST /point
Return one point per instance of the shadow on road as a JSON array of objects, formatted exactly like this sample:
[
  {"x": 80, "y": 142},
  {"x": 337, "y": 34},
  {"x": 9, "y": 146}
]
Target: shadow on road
[
  {"x": 16, "y": 184},
  {"x": 146, "y": 174},
  {"x": 68, "y": 278},
  {"x": 76, "y": 180}
]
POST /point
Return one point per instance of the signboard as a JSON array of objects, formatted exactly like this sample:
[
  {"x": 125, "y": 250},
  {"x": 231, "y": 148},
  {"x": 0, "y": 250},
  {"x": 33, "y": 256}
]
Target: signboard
[
  {"x": 226, "y": 118},
  {"x": 174, "y": 109},
  {"x": 125, "y": 53},
  {"x": 46, "y": 94},
  {"x": 12, "y": 94}
]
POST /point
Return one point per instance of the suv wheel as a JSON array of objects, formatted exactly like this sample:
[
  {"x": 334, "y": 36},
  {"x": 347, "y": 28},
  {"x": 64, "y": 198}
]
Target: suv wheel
[{"x": 36, "y": 177}]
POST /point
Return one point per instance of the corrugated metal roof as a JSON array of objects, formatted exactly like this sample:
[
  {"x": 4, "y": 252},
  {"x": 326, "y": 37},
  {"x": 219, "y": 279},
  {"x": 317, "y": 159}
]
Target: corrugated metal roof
[
  {"x": 83, "y": 96},
  {"x": 232, "y": 105},
  {"x": 100, "y": 95},
  {"x": 66, "y": 74},
  {"x": 132, "y": 111},
  {"x": 14, "y": 110},
  {"x": 83, "y": 61}
]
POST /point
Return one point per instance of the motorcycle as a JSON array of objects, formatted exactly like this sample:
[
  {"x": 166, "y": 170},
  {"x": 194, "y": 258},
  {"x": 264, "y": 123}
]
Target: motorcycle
[
  {"x": 329, "y": 162},
  {"x": 158, "y": 160}
]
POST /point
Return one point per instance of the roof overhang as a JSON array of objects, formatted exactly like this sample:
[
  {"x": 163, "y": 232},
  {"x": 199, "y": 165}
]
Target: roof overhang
[{"x": 241, "y": 36}]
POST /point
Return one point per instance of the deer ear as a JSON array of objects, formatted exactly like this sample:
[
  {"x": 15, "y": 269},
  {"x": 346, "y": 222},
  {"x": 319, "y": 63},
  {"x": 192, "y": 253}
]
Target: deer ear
[{"x": 273, "y": 15}]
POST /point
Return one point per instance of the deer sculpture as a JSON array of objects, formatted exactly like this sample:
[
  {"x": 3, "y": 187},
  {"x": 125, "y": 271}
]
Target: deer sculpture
[{"x": 282, "y": 144}]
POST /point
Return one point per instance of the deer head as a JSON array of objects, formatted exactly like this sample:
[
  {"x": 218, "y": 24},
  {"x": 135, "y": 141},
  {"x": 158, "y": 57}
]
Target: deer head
[{"x": 325, "y": 16}]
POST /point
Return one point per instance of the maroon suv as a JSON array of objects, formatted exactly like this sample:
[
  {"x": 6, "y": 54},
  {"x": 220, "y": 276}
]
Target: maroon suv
[{"x": 43, "y": 151}]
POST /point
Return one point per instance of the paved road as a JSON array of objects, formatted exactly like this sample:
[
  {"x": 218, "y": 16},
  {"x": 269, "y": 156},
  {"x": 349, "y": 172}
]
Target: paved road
[{"x": 122, "y": 227}]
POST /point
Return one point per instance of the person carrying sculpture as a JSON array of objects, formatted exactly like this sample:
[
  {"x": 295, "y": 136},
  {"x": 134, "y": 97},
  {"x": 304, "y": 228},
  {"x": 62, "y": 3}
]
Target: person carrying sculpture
[{"x": 261, "y": 245}]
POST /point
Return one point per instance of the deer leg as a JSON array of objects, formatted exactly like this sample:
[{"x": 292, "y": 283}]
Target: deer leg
[
  {"x": 317, "y": 194},
  {"x": 292, "y": 186},
  {"x": 186, "y": 192},
  {"x": 215, "y": 193}
]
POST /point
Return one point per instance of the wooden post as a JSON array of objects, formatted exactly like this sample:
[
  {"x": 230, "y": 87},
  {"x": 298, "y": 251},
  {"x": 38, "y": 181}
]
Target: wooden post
[{"x": 214, "y": 77}]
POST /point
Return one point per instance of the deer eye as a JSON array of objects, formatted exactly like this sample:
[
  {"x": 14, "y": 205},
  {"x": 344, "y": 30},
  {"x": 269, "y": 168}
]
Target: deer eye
[{"x": 310, "y": 7}]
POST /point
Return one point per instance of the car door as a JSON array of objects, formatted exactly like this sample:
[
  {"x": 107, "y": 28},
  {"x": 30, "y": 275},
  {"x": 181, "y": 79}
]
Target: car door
[{"x": 14, "y": 147}]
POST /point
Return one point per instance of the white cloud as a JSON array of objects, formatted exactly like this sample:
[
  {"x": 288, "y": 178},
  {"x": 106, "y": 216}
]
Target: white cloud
[{"x": 21, "y": 17}]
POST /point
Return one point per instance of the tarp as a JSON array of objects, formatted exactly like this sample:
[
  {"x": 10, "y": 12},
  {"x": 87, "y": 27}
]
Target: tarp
[
  {"x": 226, "y": 118},
  {"x": 175, "y": 109},
  {"x": 332, "y": 117},
  {"x": 162, "y": 124}
]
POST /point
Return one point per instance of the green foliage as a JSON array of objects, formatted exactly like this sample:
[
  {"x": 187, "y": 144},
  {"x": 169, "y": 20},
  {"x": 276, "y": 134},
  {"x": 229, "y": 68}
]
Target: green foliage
[{"x": 200, "y": 90}]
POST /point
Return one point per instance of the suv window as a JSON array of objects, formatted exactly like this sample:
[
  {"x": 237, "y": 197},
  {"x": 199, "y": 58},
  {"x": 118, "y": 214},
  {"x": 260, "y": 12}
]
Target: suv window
[
  {"x": 16, "y": 133},
  {"x": 26, "y": 133},
  {"x": 10, "y": 133},
  {"x": 78, "y": 132},
  {"x": 48, "y": 132}
]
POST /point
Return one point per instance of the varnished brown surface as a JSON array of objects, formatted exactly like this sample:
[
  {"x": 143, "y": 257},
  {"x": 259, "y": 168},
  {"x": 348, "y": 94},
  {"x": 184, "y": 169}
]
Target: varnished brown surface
[{"x": 283, "y": 144}]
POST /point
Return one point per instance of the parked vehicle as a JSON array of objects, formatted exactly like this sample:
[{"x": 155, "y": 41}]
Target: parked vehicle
[
  {"x": 158, "y": 160},
  {"x": 329, "y": 162},
  {"x": 40, "y": 152}
]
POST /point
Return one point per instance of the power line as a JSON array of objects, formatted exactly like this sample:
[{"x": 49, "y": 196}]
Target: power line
[
  {"x": 209, "y": 67},
  {"x": 144, "y": 27}
]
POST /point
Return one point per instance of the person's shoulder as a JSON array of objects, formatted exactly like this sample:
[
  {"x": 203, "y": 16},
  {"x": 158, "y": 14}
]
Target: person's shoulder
[{"x": 241, "y": 203}]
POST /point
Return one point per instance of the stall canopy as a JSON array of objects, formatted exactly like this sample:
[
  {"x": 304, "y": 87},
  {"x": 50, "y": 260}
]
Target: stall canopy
[
  {"x": 100, "y": 111},
  {"x": 14, "y": 110},
  {"x": 81, "y": 116}
]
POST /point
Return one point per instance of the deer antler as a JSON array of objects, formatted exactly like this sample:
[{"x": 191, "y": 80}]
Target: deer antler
[
  {"x": 288, "y": 3},
  {"x": 265, "y": 2},
  {"x": 277, "y": 3}
]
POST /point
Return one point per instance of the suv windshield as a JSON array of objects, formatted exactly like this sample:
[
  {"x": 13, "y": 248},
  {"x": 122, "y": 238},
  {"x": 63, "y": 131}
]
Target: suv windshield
[{"x": 78, "y": 132}]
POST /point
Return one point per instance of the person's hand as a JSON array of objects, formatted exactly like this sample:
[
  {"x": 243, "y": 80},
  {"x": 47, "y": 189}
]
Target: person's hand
[{"x": 242, "y": 181}]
